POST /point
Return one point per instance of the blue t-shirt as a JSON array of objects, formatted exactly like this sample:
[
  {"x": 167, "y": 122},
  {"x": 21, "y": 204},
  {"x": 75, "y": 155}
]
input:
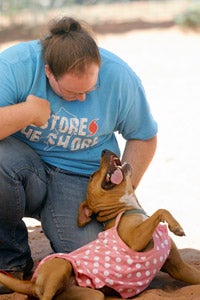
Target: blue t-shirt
[{"x": 77, "y": 132}]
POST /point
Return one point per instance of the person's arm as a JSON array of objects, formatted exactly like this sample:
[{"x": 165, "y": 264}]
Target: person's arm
[
  {"x": 15, "y": 117},
  {"x": 139, "y": 154}
]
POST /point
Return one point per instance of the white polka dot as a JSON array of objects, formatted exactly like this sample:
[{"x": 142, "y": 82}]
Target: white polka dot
[
  {"x": 138, "y": 274},
  {"x": 154, "y": 261},
  {"x": 118, "y": 268},
  {"x": 129, "y": 275},
  {"x": 107, "y": 258},
  {"x": 107, "y": 252},
  {"x": 130, "y": 291},
  {"x": 129, "y": 261},
  {"x": 106, "y": 273},
  {"x": 118, "y": 259},
  {"x": 97, "y": 280},
  {"x": 107, "y": 265},
  {"x": 161, "y": 258},
  {"x": 115, "y": 248},
  {"x": 78, "y": 263},
  {"x": 95, "y": 271},
  {"x": 88, "y": 281},
  {"x": 139, "y": 283},
  {"x": 96, "y": 264},
  {"x": 109, "y": 281},
  {"x": 105, "y": 241},
  {"x": 147, "y": 263},
  {"x": 87, "y": 252},
  {"x": 143, "y": 258},
  {"x": 118, "y": 275},
  {"x": 147, "y": 273},
  {"x": 138, "y": 266},
  {"x": 166, "y": 242},
  {"x": 96, "y": 258}
]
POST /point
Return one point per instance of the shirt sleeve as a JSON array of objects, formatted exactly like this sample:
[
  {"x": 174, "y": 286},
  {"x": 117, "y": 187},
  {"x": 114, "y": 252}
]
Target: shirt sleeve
[
  {"x": 16, "y": 69},
  {"x": 8, "y": 86},
  {"x": 135, "y": 118}
]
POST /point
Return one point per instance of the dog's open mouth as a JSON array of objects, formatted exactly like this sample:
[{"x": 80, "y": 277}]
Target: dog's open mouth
[{"x": 115, "y": 173}]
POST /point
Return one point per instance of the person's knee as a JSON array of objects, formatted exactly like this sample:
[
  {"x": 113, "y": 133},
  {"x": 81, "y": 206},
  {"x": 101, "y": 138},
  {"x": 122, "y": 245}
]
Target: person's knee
[
  {"x": 11, "y": 149},
  {"x": 15, "y": 154}
]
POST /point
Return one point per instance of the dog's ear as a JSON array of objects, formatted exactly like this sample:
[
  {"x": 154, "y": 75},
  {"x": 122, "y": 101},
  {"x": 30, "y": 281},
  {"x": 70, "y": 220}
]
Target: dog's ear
[{"x": 84, "y": 214}]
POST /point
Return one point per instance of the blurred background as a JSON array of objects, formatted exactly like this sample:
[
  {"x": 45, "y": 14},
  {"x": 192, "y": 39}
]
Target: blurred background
[
  {"x": 27, "y": 19},
  {"x": 160, "y": 40}
]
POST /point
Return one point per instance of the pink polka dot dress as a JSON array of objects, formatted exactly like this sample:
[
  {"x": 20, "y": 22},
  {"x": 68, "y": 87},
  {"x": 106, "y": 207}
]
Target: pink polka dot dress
[{"x": 108, "y": 261}]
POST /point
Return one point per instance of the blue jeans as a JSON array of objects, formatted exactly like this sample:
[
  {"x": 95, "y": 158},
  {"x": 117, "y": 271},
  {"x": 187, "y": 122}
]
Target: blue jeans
[{"x": 31, "y": 188}]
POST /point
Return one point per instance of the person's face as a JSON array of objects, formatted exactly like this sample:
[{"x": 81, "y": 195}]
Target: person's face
[{"x": 73, "y": 87}]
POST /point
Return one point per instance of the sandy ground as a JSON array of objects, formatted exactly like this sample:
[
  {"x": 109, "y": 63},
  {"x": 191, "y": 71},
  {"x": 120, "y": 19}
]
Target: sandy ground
[{"x": 167, "y": 61}]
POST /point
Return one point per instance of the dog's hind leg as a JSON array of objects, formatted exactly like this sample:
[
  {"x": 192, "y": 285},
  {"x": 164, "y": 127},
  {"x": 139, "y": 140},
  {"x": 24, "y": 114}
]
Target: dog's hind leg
[
  {"x": 53, "y": 278},
  {"x": 180, "y": 270},
  {"x": 137, "y": 237},
  {"x": 80, "y": 293}
]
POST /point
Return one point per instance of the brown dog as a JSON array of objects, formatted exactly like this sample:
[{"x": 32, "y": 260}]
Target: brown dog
[{"x": 124, "y": 258}]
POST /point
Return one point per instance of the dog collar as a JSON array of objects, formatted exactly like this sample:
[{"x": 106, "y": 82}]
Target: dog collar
[{"x": 128, "y": 212}]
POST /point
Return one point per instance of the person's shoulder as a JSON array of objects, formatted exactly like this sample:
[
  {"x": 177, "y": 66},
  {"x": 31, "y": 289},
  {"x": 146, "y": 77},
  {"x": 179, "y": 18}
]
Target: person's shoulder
[
  {"x": 109, "y": 56},
  {"x": 21, "y": 51},
  {"x": 111, "y": 62}
]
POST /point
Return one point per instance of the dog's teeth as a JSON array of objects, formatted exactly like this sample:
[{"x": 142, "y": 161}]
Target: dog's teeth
[{"x": 107, "y": 177}]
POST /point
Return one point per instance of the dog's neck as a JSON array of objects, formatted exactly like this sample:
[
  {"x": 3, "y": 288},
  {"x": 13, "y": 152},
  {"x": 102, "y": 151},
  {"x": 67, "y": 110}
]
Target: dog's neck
[
  {"x": 140, "y": 211},
  {"x": 128, "y": 202}
]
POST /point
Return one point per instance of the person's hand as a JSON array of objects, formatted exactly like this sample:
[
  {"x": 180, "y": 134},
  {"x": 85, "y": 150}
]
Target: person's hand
[{"x": 40, "y": 109}]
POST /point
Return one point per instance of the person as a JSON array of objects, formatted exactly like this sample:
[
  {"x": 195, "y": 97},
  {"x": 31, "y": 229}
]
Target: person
[{"x": 62, "y": 100}]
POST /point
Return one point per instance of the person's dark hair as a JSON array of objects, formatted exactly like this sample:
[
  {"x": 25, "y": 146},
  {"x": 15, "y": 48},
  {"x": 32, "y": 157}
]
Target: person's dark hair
[{"x": 69, "y": 47}]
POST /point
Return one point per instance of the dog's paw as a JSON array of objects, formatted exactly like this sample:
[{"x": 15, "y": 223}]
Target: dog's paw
[{"x": 177, "y": 230}]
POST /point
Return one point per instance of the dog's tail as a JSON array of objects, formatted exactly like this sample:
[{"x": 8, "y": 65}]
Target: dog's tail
[{"x": 16, "y": 285}]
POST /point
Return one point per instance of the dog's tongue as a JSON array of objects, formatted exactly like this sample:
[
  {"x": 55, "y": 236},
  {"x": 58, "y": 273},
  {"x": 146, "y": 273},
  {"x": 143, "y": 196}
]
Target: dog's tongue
[{"x": 116, "y": 176}]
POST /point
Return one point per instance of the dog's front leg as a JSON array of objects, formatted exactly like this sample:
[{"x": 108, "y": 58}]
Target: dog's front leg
[{"x": 139, "y": 236}]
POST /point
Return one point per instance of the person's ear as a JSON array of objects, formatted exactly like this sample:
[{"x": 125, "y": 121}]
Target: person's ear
[{"x": 48, "y": 71}]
